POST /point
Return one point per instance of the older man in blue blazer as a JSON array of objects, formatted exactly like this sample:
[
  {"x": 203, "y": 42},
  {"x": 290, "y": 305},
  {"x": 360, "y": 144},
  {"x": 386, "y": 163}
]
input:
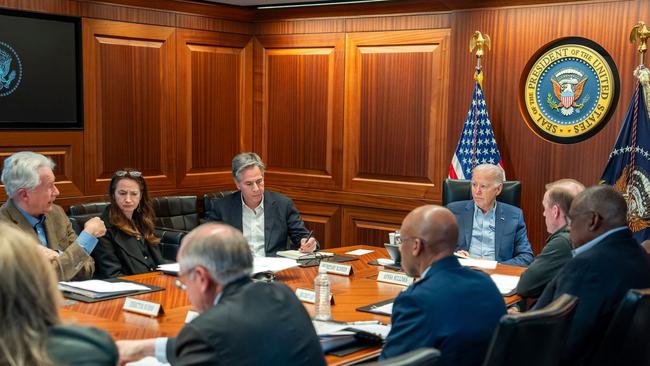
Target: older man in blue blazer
[
  {"x": 490, "y": 229},
  {"x": 452, "y": 308}
]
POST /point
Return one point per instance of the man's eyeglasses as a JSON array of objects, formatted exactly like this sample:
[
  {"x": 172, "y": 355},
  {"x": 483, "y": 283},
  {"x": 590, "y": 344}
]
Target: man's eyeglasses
[
  {"x": 312, "y": 259},
  {"x": 178, "y": 283},
  {"x": 130, "y": 173}
]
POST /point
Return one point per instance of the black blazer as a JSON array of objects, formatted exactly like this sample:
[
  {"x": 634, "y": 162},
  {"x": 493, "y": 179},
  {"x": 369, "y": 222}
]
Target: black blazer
[
  {"x": 281, "y": 219},
  {"x": 254, "y": 323},
  {"x": 118, "y": 254},
  {"x": 599, "y": 277}
]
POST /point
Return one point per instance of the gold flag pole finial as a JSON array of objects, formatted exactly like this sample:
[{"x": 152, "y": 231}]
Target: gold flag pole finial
[
  {"x": 477, "y": 41},
  {"x": 641, "y": 33}
]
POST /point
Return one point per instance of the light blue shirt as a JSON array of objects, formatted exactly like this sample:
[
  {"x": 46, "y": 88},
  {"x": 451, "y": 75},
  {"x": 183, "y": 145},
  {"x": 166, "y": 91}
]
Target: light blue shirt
[
  {"x": 483, "y": 229},
  {"x": 596, "y": 240},
  {"x": 85, "y": 240},
  {"x": 160, "y": 344}
]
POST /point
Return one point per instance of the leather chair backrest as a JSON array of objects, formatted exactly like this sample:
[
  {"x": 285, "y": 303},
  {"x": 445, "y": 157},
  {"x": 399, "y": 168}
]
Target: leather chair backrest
[
  {"x": 418, "y": 357},
  {"x": 627, "y": 338},
  {"x": 461, "y": 190},
  {"x": 532, "y": 338},
  {"x": 211, "y": 197},
  {"x": 83, "y": 212},
  {"x": 176, "y": 212}
]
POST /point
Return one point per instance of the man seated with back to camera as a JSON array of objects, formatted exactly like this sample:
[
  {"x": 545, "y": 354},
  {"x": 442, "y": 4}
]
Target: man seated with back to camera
[
  {"x": 490, "y": 229},
  {"x": 607, "y": 262},
  {"x": 266, "y": 218},
  {"x": 29, "y": 183},
  {"x": 452, "y": 308},
  {"x": 241, "y": 322}
]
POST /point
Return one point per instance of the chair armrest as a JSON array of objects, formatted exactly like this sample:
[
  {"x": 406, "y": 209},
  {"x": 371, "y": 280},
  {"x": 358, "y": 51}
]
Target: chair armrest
[{"x": 170, "y": 236}]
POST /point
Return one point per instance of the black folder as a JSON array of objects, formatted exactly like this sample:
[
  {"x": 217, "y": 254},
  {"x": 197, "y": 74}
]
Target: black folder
[
  {"x": 111, "y": 295},
  {"x": 372, "y": 308}
]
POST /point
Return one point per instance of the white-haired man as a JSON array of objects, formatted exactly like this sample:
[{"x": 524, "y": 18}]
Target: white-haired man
[
  {"x": 490, "y": 229},
  {"x": 241, "y": 322},
  {"x": 29, "y": 183}
]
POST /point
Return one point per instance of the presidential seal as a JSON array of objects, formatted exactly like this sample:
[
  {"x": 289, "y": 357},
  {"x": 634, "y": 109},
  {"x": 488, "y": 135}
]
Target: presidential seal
[
  {"x": 570, "y": 90},
  {"x": 11, "y": 70}
]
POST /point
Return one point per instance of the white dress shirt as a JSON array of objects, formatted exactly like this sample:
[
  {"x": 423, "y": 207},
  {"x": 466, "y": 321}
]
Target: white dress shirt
[{"x": 253, "y": 227}]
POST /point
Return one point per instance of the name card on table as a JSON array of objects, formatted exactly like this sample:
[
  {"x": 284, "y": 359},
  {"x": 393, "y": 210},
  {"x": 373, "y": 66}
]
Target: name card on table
[
  {"x": 143, "y": 307},
  {"x": 309, "y": 296},
  {"x": 394, "y": 278},
  {"x": 336, "y": 268}
]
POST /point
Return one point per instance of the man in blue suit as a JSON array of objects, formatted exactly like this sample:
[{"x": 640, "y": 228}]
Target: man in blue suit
[
  {"x": 607, "y": 262},
  {"x": 452, "y": 308},
  {"x": 490, "y": 229}
]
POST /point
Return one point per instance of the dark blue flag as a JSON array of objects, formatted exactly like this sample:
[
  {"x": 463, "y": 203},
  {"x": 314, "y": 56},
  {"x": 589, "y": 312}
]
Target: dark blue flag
[{"x": 628, "y": 168}]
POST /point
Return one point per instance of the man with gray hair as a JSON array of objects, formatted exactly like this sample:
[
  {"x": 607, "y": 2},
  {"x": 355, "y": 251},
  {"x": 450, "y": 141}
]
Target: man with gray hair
[
  {"x": 490, "y": 229},
  {"x": 241, "y": 322},
  {"x": 29, "y": 182},
  {"x": 266, "y": 218}
]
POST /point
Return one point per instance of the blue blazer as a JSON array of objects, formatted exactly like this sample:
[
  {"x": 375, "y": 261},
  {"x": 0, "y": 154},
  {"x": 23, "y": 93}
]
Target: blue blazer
[
  {"x": 281, "y": 219},
  {"x": 600, "y": 278},
  {"x": 510, "y": 236},
  {"x": 453, "y": 308}
]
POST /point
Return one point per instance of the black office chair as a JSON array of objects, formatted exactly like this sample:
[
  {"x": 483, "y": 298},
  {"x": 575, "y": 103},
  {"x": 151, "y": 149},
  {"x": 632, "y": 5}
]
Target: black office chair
[
  {"x": 209, "y": 199},
  {"x": 461, "y": 190},
  {"x": 175, "y": 217},
  {"x": 418, "y": 357},
  {"x": 627, "y": 339},
  {"x": 532, "y": 338},
  {"x": 81, "y": 213}
]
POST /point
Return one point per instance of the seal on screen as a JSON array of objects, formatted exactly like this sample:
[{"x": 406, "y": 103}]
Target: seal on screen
[{"x": 569, "y": 90}]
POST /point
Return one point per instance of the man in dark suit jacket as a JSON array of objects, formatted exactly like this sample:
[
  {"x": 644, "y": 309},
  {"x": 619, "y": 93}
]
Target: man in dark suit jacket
[
  {"x": 608, "y": 262},
  {"x": 452, "y": 308},
  {"x": 557, "y": 249},
  {"x": 499, "y": 232},
  {"x": 266, "y": 218},
  {"x": 240, "y": 322},
  {"x": 31, "y": 209}
]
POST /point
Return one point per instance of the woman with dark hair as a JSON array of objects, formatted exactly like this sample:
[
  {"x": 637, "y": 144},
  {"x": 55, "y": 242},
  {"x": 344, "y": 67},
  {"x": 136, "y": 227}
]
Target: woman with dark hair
[{"x": 129, "y": 246}]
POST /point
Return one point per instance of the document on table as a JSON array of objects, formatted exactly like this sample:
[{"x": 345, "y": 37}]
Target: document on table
[
  {"x": 507, "y": 285},
  {"x": 103, "y": 286},
  {"x": 478, "y": 263},
  {"x": 147, "y": 361},
  {"x": 272, "y": 264},
  {"x": 359, "y": 252},
  {"x": 260, "y": 264},
  {"x": 296, "y": 254}
]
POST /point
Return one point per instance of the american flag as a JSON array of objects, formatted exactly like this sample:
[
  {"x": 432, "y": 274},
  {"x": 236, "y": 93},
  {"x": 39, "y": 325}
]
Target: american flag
[{"x": 476, "y": 144}]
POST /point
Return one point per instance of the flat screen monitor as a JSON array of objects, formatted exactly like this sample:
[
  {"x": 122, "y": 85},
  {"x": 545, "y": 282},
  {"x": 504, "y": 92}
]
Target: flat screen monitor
[{"x": 40, "y": 71}]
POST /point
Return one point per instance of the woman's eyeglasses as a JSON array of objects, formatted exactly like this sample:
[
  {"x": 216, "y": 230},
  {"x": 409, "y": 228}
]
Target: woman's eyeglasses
[{"x": 130, "y": 173}]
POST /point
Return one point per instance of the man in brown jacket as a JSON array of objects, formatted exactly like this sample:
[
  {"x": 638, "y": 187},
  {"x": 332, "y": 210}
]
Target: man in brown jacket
[{"x": 29, "y": 182}]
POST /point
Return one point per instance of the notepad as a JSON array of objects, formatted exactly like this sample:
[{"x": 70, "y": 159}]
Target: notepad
[{"x": 97, "y": 289}]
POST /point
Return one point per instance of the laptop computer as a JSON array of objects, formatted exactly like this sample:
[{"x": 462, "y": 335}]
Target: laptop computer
[{"x": 393, "y": 252}]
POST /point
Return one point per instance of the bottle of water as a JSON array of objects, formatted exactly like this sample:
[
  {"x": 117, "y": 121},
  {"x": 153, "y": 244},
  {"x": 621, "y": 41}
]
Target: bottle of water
[{"x": 322, "y": 289}]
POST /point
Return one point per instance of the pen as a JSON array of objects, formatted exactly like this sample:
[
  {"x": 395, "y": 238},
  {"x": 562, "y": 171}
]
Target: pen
[{"x": 311, "y": 232}]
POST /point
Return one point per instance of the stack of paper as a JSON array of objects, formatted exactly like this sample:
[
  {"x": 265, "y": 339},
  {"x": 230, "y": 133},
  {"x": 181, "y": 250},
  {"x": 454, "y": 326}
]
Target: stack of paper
[
  {"x": 260, "y": 264},
  {"x": 97, "y": 289},
  {"x": 478, "y": 263},
  {"x": 507, "y": 285}
]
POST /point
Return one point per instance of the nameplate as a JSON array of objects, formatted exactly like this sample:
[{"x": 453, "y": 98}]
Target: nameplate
[
  {"x": 394, "y": 278},
  {"x": 309, "y": 296},
  {"x": 336, "y": 268},
  {"x": 143, "y": 307},
  {"x": 191, "y": 315}
]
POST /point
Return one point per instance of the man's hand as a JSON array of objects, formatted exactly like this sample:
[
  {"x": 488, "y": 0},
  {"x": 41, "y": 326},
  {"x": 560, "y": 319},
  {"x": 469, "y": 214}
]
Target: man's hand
[
  {"x": 48, "y": 253},
  {"x": 135, "y": 350},
  {"x": 308, "y": 246},
  {"x": 461, "y": 253},
  {"x": 95, "y": 227}
]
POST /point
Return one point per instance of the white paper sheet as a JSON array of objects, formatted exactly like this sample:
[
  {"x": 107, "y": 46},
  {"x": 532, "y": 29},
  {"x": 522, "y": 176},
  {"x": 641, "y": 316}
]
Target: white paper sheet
[
  {"x": 103, "y": 286},
  {"x": 479, "y": 263},
  {"x": 359, "y": 252},
  {"x": 381, "y": 330},
  {"x": 505, "y": 284},
  {"x": 147, "y": 361},
  {"x": 384, "y": 309},
  {"x": 169, "y": 268},
  {"x": 272, "y": 264}
]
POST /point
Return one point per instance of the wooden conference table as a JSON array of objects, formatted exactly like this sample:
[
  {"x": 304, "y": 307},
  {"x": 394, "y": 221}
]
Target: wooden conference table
[{"x": 359, "y": 289}]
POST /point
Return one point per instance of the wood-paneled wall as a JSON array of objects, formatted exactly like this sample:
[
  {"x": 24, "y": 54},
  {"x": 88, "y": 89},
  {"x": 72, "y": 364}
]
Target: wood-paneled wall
[{"x": 356, "y": 113}]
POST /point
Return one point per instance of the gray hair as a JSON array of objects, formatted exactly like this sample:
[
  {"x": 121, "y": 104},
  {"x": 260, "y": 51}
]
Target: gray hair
[
  {"x": 496, "y": 171},
  {"x": 221, "y": 249},
  {"x": 20, "y": 170},
  {"x": 244, "y": 161}
]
